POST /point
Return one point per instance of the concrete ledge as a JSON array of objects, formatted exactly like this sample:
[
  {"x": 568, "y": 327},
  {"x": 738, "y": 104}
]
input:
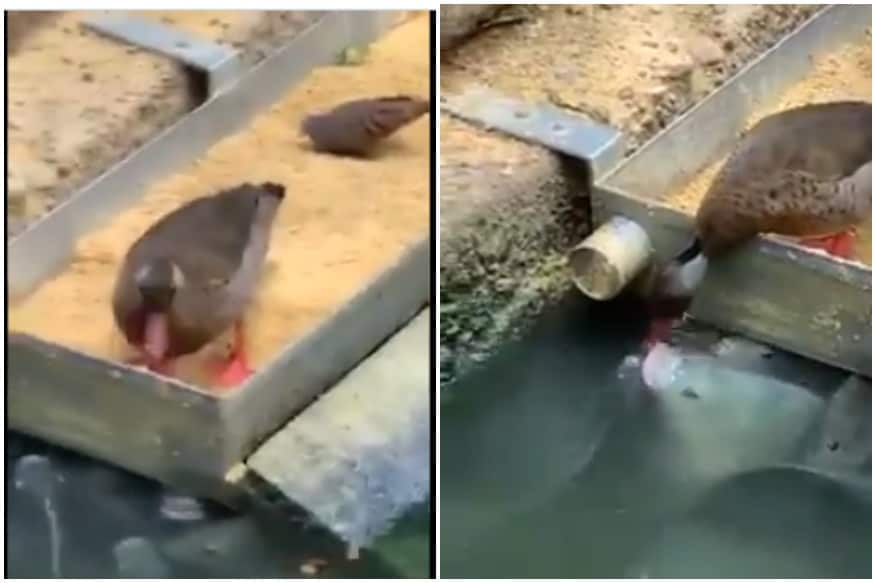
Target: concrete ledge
[
  {"x": 508, "y": 213},
  {"x": 357, "y": 458}
]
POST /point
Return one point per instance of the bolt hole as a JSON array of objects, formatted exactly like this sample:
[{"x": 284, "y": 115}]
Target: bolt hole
[
  {"x": 519, "y": 114},
  {"x": 832, "y": 445},
  {"x": 182, "y": 45}
]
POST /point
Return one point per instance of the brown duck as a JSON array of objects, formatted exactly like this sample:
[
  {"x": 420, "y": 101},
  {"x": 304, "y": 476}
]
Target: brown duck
[
  {"x": 804, "y": 173},
  {"x": 356, "y": 127},
  {"x": 191, "y": 275}
]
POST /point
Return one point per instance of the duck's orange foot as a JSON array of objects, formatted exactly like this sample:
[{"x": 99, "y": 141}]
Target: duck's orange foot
[
  {"x": 234, "y": 370},
  {"x": 659, "y": 331},
  {"x": 841, "y": 244}
]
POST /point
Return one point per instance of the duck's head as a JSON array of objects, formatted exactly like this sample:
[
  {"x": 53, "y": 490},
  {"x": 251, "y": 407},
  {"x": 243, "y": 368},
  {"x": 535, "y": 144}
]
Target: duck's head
[
  {"x": 413, "y": 106},
  {"x": 678, "y": 280},
  {"x": 310, "y": 123}
]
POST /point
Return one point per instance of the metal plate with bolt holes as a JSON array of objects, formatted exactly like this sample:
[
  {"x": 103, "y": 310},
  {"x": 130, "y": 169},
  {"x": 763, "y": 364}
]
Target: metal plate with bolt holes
[
  {"x": 779, "y": 293},
  {"x": 222, "y": 65},
  {"x": 542, "y": 124},
  {"x": 361, "y": 455},
  {"x": 162, "y": 428}
]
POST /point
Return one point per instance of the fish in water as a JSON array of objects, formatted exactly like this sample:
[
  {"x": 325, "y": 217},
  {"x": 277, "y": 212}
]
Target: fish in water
[
  {"x": 191, "y": 275},
  {"x": 355, "y": 128},
  {"x": 804, "y": 172}
]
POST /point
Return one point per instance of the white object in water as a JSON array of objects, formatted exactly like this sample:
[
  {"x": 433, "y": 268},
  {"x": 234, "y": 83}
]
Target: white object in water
[
  {"x": 352, "y": 552},
  {"x": 630, "y": 365},
  {"x": 181, "y": 508},
  {"x": 661, "y": 367},
  {"x": 605, "y": 262}
]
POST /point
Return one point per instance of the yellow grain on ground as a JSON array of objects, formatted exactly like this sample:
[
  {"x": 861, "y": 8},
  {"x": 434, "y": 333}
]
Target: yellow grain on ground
[{"x": 342, "y": 221}]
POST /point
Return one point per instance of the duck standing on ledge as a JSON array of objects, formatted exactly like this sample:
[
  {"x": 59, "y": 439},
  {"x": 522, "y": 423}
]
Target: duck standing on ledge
[
  {"x": 804, "y": 173},
  {"x": 191, "y": 275},
  {"x": 354, "y": 128}
]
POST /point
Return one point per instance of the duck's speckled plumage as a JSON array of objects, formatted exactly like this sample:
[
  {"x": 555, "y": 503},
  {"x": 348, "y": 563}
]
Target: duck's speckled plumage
[
  {"x": 804, "y": 172},
  {"x": 798, "y": 173}
]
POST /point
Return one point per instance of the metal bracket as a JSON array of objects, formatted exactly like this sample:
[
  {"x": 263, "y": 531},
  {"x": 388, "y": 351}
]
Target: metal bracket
[
  {"x": 555, "y": 128},
  {"x": 220, "y": 64}
]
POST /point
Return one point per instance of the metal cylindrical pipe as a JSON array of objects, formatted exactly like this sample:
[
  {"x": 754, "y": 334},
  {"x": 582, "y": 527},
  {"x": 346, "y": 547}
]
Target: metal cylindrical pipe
[{"x": 604, "y": 263}]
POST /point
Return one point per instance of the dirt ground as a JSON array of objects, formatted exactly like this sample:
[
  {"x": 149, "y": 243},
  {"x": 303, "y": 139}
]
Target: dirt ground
[
  {"x": 80, "y": 102},
  {"x": 631, "y": 66},
  {"x": 461, "y": 20},
  {"x": 341, "y": 223},
  {"x": 635, "y": 67},
  {"x": 20, "y": 24},
  {"x": 845, "y": 74}
]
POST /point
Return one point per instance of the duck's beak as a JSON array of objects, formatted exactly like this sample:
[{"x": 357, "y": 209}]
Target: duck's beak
[
  {"x": 679, "y": 280},
  {"x": 157, "y": 336}
]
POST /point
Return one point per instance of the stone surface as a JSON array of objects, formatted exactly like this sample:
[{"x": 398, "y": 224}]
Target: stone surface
[{"x": 358, "y": 457}]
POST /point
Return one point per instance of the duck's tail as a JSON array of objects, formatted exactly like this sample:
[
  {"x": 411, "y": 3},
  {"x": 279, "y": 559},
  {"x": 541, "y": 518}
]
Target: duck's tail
[{"x": 683, "y": 274}]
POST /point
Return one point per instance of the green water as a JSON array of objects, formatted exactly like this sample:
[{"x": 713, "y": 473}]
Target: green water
[
  {"x": 407, "y": 547},
  {"x": 552, "y": 465},
  {"x": 95, "y": 507}
]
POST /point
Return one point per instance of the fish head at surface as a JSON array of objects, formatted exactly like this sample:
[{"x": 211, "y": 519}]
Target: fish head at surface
[{"x": 158, "y": 280}]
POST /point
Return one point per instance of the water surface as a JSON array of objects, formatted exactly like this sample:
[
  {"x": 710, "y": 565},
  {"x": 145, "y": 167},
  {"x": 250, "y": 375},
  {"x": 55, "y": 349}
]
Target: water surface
[
  {"x": 556, "y": 461},
  {"x": 72, "y": 516}
]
